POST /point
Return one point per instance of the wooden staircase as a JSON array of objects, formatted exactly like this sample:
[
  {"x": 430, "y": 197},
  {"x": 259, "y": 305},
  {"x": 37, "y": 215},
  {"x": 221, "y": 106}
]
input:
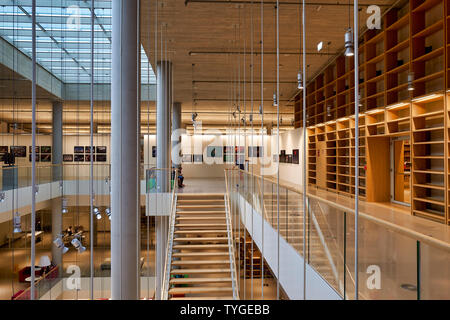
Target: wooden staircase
[{"x": 200, "y": 265}]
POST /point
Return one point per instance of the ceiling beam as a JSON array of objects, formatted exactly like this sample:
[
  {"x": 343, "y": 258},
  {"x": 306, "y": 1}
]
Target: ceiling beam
[
  {"x": 196, "y": 53},
  {"x": 282, "y": 3}
]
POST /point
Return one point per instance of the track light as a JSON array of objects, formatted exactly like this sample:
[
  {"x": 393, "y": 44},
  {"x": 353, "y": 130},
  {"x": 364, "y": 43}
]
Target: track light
[
  {"x": 275, "y": 100},
  {"x": 411, "y": 81},
  {"x": 59, "y": 243},
  {"x": 97, "y": 213},
  {"x": 299, "y": 81},
  {"x": 17, "y": 223},
  {"x": 349, "y": 45},
  {"x": 77, "y": 245},
  {"x": 108, "y": 213}
]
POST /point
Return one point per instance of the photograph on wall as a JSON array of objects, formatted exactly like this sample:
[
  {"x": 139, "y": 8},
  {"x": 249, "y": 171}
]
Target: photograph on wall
[
  {"x": 30, "y": 149},
  {"x": 36, "y": 157},
  {"x": 67, "y": 157},
  {"x": 78, "y": 149},
  {"x": 198, "y": 158},
  {"x": 100, "y": 158},
  {"x": 289, "y": 158},
  {"x": 239, "y": 149},
  {"x": 282, "y": 158},
  {"x": 46, "y": 149},
  {"x": 3, "y": 150},
  {"x": 87, "y": 158},
  {"x": 187, "y": 158},
  {"x": 227, "y": 149},
  {"x": 101, "y": 149},
  {"x": 153, "y": 151},
  {"x": 79, "y": 158},
  {"x": 214, "y": 152},
  {"x": 19, "y": 151},
  {"x": 87, "y": 149},
  {"x": 46, "y": 158},
  {"x": 295, "y": 156}
]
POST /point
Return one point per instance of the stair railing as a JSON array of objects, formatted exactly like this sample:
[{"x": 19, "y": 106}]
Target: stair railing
[
  {"x": 231, "y": 249},
  {"x": 169, "y": 246}
]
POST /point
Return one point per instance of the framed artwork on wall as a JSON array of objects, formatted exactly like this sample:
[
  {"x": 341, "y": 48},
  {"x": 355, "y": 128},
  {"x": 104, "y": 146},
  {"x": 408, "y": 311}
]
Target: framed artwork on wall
[
  {"x": 101, "y": 149},
  {"x": 228, "y": 158},
  {"x": 78, "y": 149},
  {"x": 289, "y": 158},
  {"x": 46, "y": 149},
  {"x": 100, "y": 158},
  {"x": 30, "y": 149},
  {"x": 46, "y": 158},
  {"x": 30, "y": 157},
  {"x": 214, "y": 152},
  {"x": 19, "y": 151},
  {"x": 67, "y": 157},
  {"x": 87, "y": 158},
  {"x": 198, "y": 158},
  {"x": 87, "y": 149},
  {"x": 295, "y": 156},
  {"x": 187, "y": 158},
  {"x": 79, "y": 157}
]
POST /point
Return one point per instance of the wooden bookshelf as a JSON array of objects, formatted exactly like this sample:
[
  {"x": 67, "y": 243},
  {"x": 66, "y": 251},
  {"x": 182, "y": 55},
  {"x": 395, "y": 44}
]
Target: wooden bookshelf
[{"x": 415, "y": 39}]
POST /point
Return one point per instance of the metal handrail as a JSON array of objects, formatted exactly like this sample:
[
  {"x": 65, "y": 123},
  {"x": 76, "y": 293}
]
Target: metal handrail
[
  {"x": 169, "y": 247},
  {"x": 231, "y": 249}
]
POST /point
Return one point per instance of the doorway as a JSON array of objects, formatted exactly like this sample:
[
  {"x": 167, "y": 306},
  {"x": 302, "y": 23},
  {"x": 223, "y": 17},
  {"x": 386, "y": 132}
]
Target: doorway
[{"x": 401, "y": 170}]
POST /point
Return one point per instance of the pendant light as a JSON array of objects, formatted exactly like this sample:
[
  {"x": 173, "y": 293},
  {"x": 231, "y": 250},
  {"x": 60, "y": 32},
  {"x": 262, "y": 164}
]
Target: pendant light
[
  {"x": 411, "y": 81},
  {"x": 275, "y": 100},
  {"x": 299, "y": 80},
  {"x": 349, "y": 45},
  {"x": 17, "y": 223}
]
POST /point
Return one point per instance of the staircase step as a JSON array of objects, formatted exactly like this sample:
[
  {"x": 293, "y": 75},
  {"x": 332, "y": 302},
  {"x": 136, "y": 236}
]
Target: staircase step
[
  {"x": 186, "y": 206},
  {"x": 196, "y": 225},
  {"x": 199, "y": 271},
  {"x": 200, "y": 290},
  {"x": 200, "y": 201},
  {"x": 201, "y": 218},
  {"x": 200, "y": 254},
  {"x": 198, "y": 280},
  {"x": 200, "y": 246},
  {"x": 223, "y": 239},
  {"x": 201, "y": 262},
  {"x": 201, "y": 231},
  {"x": 201, "y": 212}
]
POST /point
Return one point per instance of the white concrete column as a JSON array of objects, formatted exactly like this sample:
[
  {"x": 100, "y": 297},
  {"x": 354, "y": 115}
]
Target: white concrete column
[
  {"x": 163, "y": 160},
  {"x": 125, "y": 275},
  {"x": 176, "y": 138}
]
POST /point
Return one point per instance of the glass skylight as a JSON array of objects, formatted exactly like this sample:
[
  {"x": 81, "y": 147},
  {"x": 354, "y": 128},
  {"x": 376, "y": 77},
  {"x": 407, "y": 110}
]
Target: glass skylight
[{"x": 64, "y": 37}]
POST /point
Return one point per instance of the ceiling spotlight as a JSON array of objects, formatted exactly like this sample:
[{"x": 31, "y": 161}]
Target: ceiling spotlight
[
  {"x": 59, "y": 243},
  {"x": 77, "y": 244},
  {"x": 349, "y": 45},
  {"x": 17, "y": 223},
  {"x": 275, "y": 100},
  {"x": 108, "y": 213},
  {"x": 97, "y": 213},
  {"x": 411, "y": 81},
  {"x": 329, "y": 111},
  {"x": 64, "y": 209},
  {"x": 299, "y": 81},
  {"x": 360, "y": 103},
  {"x": 36, "y": 188}
]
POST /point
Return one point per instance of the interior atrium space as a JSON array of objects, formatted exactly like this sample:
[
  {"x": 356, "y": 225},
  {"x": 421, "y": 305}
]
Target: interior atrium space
[{"x": 224, "y": 150}]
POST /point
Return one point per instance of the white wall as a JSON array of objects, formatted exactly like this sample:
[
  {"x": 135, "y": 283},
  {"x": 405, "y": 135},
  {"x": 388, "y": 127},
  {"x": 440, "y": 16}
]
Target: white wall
[{"x": 289, "y": 140}]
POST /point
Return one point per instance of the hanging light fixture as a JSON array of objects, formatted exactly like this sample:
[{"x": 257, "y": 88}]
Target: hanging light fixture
[
  {"x": 2, "y": 197},
  {"x": 275, "y": 100},
  {"x": 77, "y": 245},
  {"x": 59, "y": 243},
  {"x": 194, "y": 116},
  {"x": 411, "y": 81},
  {"x": 97, "y": 213},
  {"x": 108, "y": 213},
  {"x": 328, "y": 111},
  {"x": 299, "y": 80},
  {"x": 17, "y": 223},
  {"x": 349, "y": 44}
]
